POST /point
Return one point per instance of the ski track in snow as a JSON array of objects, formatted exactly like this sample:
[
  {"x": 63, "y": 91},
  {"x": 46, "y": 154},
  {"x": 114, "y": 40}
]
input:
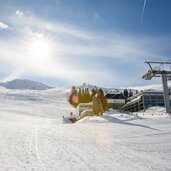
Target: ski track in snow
[
  {"x": 36, "y": 146},
  {"x": 37, "y": 149},
  {"x": 32, "y": 137}
]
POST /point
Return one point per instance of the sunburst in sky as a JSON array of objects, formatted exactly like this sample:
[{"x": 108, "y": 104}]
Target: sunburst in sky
[{"x": 99, "y": 42}]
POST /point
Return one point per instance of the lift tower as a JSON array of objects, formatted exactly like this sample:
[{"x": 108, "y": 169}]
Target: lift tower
[{"x": 165, "y": 75}]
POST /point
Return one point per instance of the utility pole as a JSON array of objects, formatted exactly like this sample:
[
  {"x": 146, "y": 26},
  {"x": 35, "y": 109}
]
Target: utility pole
[{"x": 165, "y": 75}]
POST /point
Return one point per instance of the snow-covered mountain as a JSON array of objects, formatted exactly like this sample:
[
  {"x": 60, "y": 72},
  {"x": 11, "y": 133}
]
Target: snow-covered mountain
[
  {"x": 24, "y": 84},
  {"x": 90, "y": 87},
  {"x": 106, "y": 90},
  {"x": 151, "y": 87}
]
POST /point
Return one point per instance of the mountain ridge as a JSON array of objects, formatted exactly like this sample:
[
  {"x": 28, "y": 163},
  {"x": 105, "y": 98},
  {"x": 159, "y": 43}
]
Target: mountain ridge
[{"x": 24, "y": 84}]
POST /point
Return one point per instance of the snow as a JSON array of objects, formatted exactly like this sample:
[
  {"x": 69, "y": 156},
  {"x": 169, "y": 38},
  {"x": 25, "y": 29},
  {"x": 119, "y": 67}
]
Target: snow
[
  {"x": 111, "y": 116},
  {"x": 33, "y": 137},
  {"x": 156, "y": 109},
  {"x": 24, "y": 84},
  {"x": 154, "y": 112}
]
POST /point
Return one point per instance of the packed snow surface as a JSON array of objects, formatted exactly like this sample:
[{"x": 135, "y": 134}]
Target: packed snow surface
[{"x": 33, "y": 136}]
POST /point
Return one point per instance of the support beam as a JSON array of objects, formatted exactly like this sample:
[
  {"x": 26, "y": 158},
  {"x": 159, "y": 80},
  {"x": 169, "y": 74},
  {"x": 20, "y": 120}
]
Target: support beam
[
  {"x": 162, "y": 63},
  {"x": 166, "y": 93}
]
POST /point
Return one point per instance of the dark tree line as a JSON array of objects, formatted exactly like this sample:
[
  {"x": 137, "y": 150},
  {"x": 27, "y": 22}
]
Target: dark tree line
[{"x": 86, "y": 96}]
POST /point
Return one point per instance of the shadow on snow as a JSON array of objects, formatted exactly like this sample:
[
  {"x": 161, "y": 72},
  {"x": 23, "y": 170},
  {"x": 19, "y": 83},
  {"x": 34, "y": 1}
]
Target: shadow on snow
[{"x": 118, "y": 121}]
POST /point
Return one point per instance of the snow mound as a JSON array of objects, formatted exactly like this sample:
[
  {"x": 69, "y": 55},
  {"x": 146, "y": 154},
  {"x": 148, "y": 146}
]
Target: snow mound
[
  {"x": 111, "y": 116},
  {"x": 154, "y": 112},
  {"x": 156, "y": 109},
  {"x": 93, "y": 119},
  {"x": 24, "y": 84}
]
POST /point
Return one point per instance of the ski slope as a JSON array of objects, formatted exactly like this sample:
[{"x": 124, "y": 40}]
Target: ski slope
[{"x": 34, "y": 137}]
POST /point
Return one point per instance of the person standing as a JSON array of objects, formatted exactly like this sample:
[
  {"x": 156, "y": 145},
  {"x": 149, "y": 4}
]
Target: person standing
[
  {"x": 103, "y": 99},
  {"x": 97, "y": 105}
]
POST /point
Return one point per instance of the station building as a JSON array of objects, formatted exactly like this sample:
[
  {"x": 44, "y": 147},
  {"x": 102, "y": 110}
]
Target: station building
[
  {"x": 115, "y": 100},
  {"x": 143, "y": 100}
]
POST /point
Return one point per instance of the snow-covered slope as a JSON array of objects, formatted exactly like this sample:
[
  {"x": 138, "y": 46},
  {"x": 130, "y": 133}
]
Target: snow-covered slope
[
  {"x": 33, "y": 137},
  {"x": 50, "y": 103},
  {"x": 24, "y": 84}
]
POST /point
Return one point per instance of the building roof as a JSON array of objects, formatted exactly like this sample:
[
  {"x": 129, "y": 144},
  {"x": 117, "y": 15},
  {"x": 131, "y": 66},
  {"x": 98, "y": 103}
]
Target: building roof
[{"x": 115, "y": 96}]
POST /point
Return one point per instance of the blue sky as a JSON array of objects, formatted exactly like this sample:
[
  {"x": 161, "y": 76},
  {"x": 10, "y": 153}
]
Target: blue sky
[{"x": 102, "y": 42}]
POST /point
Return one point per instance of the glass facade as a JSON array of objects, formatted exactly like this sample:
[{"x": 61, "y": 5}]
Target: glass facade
[
  {"x": 153, "y": 99},
  {"x": 143, "y": 101}
]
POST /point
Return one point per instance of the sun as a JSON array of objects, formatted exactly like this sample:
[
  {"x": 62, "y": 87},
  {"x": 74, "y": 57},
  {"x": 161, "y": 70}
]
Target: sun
[{"x": 39, "y": 49}]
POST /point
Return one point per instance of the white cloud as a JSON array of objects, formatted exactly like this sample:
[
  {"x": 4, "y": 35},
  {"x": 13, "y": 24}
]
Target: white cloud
[
  {"x": 3, "y": 25},
  {"x": 102, "y": 44},
  {"x": 29, "y": 20},
  {"x": 19, "y": 13}
]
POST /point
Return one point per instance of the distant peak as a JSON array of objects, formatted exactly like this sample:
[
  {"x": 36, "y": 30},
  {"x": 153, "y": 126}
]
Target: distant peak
[{"x": 24, "y": 84}]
